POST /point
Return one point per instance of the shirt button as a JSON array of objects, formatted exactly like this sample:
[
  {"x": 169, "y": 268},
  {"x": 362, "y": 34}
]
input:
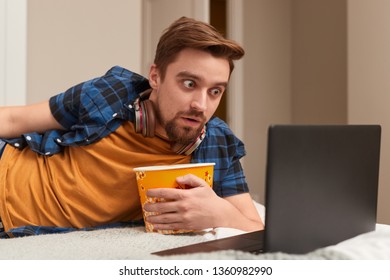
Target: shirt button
[
  {"x": 28, "y": 138},
  {"x": 17, "y": 145},
  {"x": 58, "y": 140},
  {"x": 114, "y": 115},
  {"x": 47, "y": 153}
]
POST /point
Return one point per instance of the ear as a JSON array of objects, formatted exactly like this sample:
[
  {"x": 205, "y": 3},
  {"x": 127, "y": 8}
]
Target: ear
[{"x": 154, "y": 76}]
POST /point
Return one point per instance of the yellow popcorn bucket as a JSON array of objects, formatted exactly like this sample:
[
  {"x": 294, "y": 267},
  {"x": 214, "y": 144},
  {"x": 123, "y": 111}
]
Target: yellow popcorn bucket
[{"x": 164, "y": 176}]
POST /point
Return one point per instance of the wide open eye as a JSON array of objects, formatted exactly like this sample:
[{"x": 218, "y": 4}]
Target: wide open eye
[
  {"x": 189, "y": 83},
  {"x": 216, "y": 91}
]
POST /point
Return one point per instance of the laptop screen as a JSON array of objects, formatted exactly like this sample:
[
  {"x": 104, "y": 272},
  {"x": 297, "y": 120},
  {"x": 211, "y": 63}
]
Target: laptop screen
[
  {"x": 321, "y": 189},
  {"x": 321, "y": 186}
]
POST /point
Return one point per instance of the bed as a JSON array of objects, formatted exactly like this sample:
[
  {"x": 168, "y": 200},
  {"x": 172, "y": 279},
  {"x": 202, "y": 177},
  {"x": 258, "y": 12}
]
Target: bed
[{"x": 134, "y": 243}]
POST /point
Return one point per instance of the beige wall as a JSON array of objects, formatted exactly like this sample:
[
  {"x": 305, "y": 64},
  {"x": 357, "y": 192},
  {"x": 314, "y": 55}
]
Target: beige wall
[
  {"x": 315, "y": 61},
  {"x": 267, "y": 81},
  {"x": 294, "y": 69},
  {"x": 319, "y": 61},
  {"x": 13, "y": 23},
  {"x": 72, "y": 41},
  {"x": 369, "y": 80}
]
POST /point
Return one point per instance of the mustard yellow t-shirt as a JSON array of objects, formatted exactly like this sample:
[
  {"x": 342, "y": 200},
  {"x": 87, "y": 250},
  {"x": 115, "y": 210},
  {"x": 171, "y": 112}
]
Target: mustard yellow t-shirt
[{"x": 83, "y": 186}]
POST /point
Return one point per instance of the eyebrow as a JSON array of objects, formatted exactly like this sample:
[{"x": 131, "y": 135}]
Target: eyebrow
[{"x": 187, "y": 74}]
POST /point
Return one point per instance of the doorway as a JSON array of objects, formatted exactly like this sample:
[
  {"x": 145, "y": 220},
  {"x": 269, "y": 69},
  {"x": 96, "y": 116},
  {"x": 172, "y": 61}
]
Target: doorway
[{"x": 218, "y": 18}]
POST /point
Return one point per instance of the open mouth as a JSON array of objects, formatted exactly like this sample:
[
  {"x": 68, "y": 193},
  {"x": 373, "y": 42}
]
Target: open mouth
[{"x": 191, "y": 121}]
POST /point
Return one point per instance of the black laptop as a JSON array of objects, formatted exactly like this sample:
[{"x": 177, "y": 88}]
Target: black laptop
[{"x": 321, "y": 189}]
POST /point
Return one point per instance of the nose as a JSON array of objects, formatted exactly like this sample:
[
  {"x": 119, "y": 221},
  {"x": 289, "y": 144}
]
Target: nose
[{"x": 199, "y": 101}]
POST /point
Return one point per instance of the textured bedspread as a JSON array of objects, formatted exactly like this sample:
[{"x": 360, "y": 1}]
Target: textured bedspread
[{"x": 134, "y": 243}]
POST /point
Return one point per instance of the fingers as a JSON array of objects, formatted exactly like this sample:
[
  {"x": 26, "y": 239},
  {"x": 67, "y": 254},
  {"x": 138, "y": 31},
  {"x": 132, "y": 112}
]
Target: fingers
[
  {"x": 191, "y": 181},
  {"x": 180, "y": 208},
  {"x": 168, "y": 215},
  {"x": 170, "y": 221},
  {"x": 166, "y": 193},
  {"x": 165, "y": 220},
  {"x": 161, "y": 207},
  {"x": 168, "y": 218},
  {"x": 173, "y": 226}
]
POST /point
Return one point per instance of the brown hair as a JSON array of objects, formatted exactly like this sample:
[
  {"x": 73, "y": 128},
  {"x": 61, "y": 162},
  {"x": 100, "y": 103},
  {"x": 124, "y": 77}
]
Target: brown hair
[{"x": 189, "y": 33}]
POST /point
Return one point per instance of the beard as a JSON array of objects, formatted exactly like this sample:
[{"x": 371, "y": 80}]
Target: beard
[{"x": 183, "y": 134}]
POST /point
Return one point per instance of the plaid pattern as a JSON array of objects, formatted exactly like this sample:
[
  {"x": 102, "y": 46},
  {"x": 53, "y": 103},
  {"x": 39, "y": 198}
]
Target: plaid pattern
[
  {"x": 93, "y": 109},
  {"x": 88, "y": 111},
  {"x": 2, "y": 145},
  {"x": 225, "y": 149}
]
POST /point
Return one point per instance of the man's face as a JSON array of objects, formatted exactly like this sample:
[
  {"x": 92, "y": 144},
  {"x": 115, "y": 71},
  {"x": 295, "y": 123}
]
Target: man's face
[{"x": 189, "y": 94}]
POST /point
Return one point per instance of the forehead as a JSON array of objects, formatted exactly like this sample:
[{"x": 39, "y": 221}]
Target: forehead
[{"x": 200, "y": 64}]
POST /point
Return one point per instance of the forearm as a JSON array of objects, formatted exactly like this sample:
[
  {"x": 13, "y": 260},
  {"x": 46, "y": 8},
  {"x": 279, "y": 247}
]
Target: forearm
[
  {"x": 17, "y": 120},
  {"x": 6, "y": 120},
  {"x": 230, "y": 216}
]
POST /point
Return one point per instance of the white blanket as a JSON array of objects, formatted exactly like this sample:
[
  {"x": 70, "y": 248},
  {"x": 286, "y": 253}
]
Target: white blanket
[{"x": 135, "y": 243}]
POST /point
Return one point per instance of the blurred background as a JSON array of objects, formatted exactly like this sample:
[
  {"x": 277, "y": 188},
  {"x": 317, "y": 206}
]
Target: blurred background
[{"x": 306, "y": 62}]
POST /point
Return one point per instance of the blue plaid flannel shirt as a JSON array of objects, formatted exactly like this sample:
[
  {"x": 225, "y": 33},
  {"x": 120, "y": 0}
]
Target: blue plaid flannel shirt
[{"x": 95, "y": 108}]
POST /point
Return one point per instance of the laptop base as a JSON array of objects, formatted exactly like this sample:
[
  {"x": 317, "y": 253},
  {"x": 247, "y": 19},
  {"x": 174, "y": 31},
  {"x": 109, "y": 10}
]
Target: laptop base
[{"x": 248, "y": 242}]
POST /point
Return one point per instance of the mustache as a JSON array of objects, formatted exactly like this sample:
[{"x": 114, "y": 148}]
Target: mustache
[{"x": 192, "y": 114}]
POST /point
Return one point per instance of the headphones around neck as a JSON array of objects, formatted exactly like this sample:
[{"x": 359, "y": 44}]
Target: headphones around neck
[{"x": 145, "y": 123}]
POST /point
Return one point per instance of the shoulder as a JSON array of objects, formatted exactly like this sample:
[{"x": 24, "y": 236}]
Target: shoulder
[
  {"x": 117, "y": 79},
  {"x": 107, "y": 93},
  {"x": 218, "y": 128},
  {"x": 221, "y": 139},
  {"x": 120, "y": 73}
]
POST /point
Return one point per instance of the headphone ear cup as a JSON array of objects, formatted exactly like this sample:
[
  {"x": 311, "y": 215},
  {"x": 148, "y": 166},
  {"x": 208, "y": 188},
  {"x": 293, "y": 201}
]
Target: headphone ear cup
[{"x": 149, "y": 118}]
